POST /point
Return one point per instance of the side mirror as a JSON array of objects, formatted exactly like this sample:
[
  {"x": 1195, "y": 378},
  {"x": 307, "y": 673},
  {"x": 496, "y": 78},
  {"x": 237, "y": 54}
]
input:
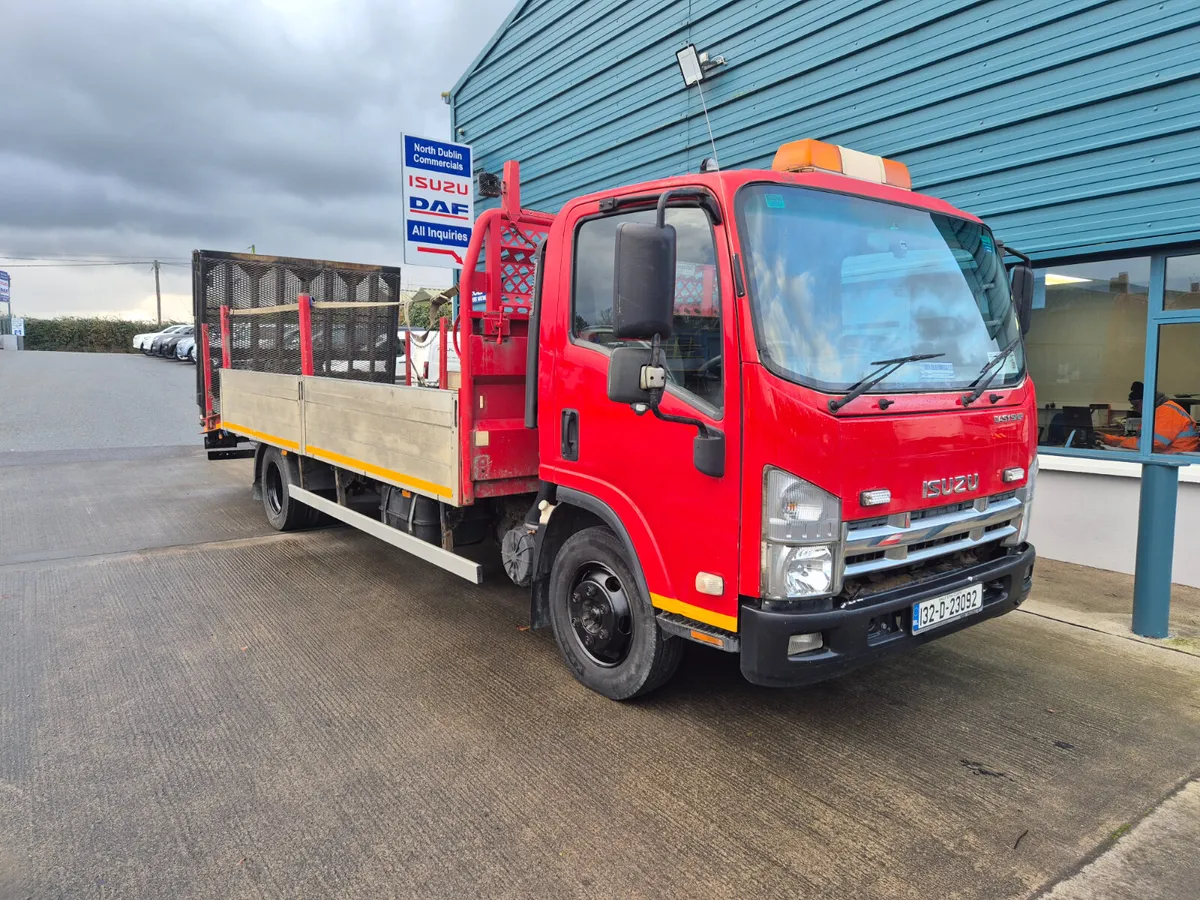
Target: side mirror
[
  {"x": 644, "y": 282},
  {"x": 708, "y": 453},
  {"x": 1022, "y": 295}
]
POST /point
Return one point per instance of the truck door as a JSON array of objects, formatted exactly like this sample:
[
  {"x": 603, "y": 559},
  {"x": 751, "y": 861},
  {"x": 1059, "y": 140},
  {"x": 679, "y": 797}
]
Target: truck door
[{"x": 682, "y": 524}]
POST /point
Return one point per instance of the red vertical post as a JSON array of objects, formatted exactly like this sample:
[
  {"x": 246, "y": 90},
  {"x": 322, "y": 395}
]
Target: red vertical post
[
  {"x": 206, "y": 361},
  {"x": 443, "y": 366},
  {"x": 494, "y": 277},
  {"x": 226, "y": 339},
  {"x": 510, "y": 187},
  {"x": 304, "y": 301},
  {"x": 408, "y": 357}
]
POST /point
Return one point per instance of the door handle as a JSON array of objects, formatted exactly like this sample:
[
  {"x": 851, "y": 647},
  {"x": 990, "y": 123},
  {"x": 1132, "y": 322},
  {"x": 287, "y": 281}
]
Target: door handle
[{"x": 570, "y": 435}]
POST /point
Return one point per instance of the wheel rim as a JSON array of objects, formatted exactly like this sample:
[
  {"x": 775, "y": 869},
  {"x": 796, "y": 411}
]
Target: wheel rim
[
  {"x": 600, "y": 615},
  {"x": 274, "y": 489}
]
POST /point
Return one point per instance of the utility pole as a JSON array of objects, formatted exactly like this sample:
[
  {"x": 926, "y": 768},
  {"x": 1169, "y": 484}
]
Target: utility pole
[{"x": 157, "y": 292}]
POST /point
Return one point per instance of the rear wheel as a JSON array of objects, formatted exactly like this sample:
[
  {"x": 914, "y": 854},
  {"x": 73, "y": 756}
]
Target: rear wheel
[
  {"x": 605, "y": 628},
  {"x": 283, "y": 512}
]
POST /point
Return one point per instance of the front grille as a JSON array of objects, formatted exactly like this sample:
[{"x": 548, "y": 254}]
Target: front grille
[
  {"x": 862, "y": 589},
  {"x": 904, "y": 539}
]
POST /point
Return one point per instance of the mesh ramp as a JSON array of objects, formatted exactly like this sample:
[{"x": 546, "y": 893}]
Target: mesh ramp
[{"x": 355, "y": 317}]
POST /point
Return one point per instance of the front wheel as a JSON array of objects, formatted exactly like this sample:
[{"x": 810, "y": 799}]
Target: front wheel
[{"x": 603, "y": 625}]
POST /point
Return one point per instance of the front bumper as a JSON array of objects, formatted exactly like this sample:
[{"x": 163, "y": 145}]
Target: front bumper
[{"x": 880, "y": 627}]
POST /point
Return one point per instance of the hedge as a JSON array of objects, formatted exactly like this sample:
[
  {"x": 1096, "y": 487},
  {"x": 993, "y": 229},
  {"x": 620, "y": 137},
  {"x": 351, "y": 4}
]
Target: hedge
[{"x": 85, "y": 335}]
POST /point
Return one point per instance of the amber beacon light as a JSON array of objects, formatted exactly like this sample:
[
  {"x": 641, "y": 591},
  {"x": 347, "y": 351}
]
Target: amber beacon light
[{"x": 810, "y": 155}]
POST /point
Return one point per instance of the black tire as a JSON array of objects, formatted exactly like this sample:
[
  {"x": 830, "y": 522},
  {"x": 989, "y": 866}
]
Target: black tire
[
  {"x": 592, "y": 589},
  {"x": 283, "y": 513}
]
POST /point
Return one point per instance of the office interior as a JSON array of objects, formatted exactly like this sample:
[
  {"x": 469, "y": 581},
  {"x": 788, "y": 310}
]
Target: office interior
[{"x": 1087, "y": 345}]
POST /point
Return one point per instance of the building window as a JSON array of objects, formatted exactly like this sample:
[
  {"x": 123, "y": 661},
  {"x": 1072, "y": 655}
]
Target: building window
[
  {"x": 1183, "y": 282},
  {"x": 1085, "y": 348},
  {"x": 693, "y": 352},
  {"x": 1178, "y": 387}
]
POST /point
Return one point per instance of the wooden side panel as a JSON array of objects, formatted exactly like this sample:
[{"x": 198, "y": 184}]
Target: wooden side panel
[
  {"x": 406, "y": 436},
  {"x": 262, "y": 405}
]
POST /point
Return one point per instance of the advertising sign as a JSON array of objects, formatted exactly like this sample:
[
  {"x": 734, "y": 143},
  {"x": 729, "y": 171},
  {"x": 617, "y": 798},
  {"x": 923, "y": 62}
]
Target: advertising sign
[
  {"x": 18, "y": 326},
  {"x": 5, "y": 284},
  {"x": 439, "y": 202}
]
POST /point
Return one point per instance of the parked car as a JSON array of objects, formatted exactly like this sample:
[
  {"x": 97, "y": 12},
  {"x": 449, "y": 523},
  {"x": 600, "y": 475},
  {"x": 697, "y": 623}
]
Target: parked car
[
  {"x": 143, "y": 341},
  {"x": 168, "y": 342},
  {"x": 185, "y": 350}
]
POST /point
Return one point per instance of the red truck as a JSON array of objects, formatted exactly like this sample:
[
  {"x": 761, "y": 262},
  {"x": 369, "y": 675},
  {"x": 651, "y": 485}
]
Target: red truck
[{"x": 855, "y": 482}]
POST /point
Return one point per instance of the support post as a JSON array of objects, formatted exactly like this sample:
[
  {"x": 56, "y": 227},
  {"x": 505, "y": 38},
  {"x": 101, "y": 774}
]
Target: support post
[
  {"x": 206, "y": 361},
  {"x": 443, "y": 367},
  {"x": 510, "y": 189},
  {"x": 1155, "y": 549},
  {"x": 226, "y": 339},
  {"x": 304, "y": 301},
  {"x": 408, "y": 357},
  {"x": 157, "y": 294}
]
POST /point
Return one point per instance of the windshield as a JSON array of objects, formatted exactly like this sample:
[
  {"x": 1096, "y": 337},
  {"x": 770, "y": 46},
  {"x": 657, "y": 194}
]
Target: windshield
[{"x": 838, "y": 282}]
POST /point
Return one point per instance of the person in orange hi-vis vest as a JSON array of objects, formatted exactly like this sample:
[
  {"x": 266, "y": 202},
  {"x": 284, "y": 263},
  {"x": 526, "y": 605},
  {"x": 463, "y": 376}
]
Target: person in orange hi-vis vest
[{"x": 1174, "y": 430}]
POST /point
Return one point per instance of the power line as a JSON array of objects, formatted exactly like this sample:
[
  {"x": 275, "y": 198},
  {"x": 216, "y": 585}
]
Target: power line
[
  {"x": 91, "y": 257},
  {"x": 75, "y": 265}
]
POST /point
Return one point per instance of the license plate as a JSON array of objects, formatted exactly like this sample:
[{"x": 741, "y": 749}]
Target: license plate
[{"x": 937, "y": 611}]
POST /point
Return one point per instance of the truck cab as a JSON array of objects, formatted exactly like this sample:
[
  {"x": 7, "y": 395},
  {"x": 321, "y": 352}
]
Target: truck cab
[{"x": 817, "y": 481}]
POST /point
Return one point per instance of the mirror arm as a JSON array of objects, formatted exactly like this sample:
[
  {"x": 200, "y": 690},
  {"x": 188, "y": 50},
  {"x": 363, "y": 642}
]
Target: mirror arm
[
  {"x": 661, "y": 211},
  {"x": 678, "y": 420},
  {"x": 1012, "y": 251},
  {"x": 657, "y": 394}
]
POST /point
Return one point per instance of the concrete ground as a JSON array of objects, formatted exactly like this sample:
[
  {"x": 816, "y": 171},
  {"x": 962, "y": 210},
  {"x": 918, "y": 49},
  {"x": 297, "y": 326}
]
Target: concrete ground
[
  {"x": 1101, "y": 600},
  {"x": 192, "y": 705}
]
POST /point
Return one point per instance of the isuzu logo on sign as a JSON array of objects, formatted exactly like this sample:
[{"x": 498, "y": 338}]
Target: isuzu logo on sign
[
  {"x": 944, "y": 487},
  {"x": 439, "y": 202}
]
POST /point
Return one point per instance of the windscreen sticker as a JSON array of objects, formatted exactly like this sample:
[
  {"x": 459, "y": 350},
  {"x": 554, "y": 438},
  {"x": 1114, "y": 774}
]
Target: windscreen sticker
[
  {"x": 987, "y": 243},
  {"x": 937, "y": 371},
  {"x": 774, "y": 201},
  {"x": 1010, "y": 363}
]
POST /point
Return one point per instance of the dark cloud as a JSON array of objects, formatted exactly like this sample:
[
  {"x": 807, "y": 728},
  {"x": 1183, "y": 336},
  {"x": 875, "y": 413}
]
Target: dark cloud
[{"x": 155, "y": 126}]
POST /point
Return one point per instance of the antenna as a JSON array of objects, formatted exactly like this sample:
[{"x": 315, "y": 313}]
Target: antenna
[
  {"x": 708, "y": 122},
  {"x": 692, "y": 66}
]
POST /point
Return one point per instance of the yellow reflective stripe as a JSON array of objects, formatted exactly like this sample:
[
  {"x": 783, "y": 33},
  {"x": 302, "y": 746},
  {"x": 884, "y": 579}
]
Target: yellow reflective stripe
[
  {"x": 699, "y": 613},
  {"x": 426, "y": 486},
  {"x": 260, "y": 435}
]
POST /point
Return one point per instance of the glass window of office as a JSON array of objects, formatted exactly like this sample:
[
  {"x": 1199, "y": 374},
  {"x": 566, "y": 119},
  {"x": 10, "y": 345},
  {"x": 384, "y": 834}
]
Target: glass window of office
[
  {"x": 1178, "y": 380},
  {"x": 1085, "y": 348},
  {"x": 1183, "y": 283}
]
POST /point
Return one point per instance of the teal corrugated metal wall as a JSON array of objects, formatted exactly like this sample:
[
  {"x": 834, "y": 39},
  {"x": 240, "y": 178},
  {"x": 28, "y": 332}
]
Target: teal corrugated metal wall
[{"x": 1071, "y": 126}]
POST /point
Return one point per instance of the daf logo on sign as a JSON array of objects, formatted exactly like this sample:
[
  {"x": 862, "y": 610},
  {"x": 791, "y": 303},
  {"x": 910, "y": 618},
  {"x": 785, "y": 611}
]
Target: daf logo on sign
[{"x": 944, "y": 487}]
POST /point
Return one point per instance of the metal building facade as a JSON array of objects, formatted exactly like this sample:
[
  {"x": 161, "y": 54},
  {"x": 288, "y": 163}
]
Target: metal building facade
[{"x": 1069, "y": 126}]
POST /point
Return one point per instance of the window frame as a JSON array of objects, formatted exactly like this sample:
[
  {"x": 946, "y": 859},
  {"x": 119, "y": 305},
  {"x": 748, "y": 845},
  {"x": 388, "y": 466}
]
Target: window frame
[
  {"x": 1156, "y": 316},
  {"x": 678, "y": 391}
]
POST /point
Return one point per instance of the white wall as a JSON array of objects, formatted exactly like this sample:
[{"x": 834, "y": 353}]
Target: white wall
[{"x": 1091, "y": 518}]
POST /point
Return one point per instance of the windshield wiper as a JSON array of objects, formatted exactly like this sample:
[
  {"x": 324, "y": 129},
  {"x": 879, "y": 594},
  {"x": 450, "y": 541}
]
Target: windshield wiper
[
  {"x": 886, "y": 367},
  {"x": 981, "y": 382}
]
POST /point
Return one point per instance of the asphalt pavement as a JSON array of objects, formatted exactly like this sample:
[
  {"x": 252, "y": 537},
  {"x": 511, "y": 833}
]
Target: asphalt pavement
[
  {"x": 192, "y": 705},
  {"x": 85, "y": 401}
]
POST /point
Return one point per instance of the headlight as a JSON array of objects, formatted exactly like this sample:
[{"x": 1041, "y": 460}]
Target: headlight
[
  {"x": 802, "y": 528},
  {"x": 799, "y": 571}
]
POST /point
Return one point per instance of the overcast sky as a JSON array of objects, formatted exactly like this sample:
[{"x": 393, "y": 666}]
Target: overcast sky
[{"x": 149, "y": 128}]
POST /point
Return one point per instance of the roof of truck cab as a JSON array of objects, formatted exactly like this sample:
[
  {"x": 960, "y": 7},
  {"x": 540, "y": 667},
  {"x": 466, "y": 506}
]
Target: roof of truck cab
[{"x": 726, "y": 184}]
